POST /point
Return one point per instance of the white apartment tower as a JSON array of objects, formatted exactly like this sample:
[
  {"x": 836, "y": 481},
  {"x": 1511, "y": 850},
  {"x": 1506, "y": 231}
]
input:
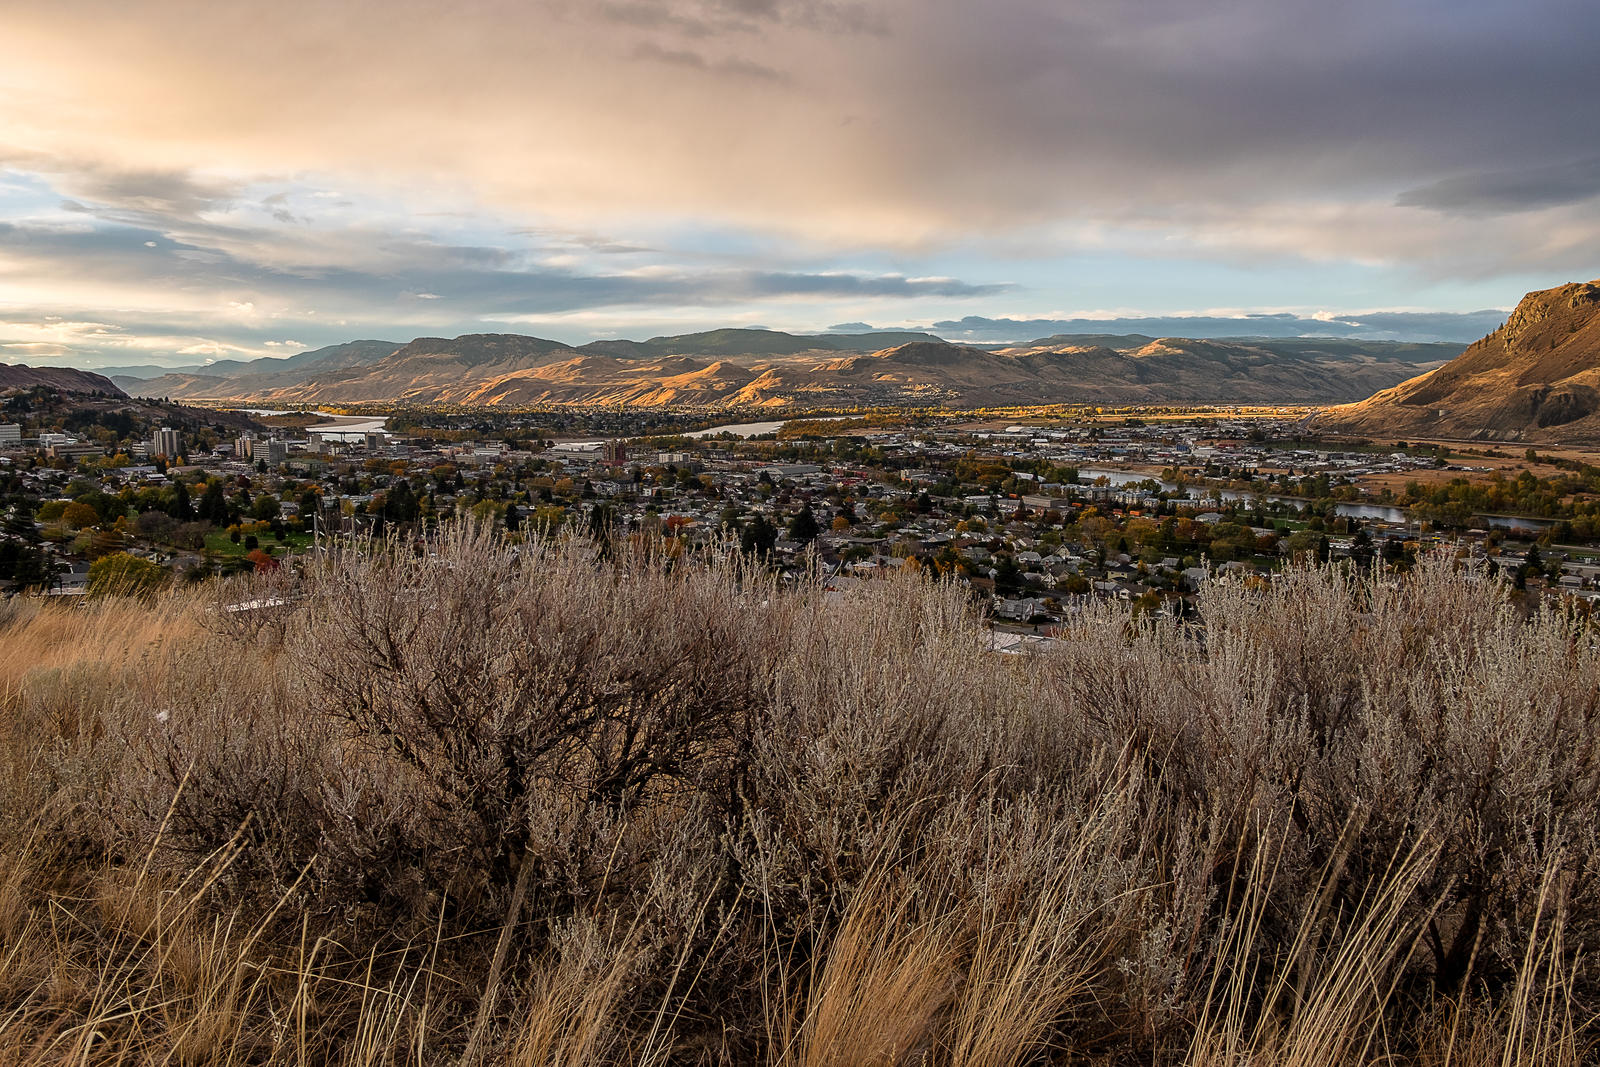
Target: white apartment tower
[{"x": 166, "y": 442}]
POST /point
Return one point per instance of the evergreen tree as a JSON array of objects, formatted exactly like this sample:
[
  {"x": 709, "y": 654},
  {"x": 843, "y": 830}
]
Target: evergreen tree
[
  {"x": 214, "y": 504},
  {"x": 19, "y": 521},
  {"x": 803, "y": 526},
  {"x": 758, "y": 536},
  {"x": 180, "y": 508},
  {"x": 400, "y": 503}
]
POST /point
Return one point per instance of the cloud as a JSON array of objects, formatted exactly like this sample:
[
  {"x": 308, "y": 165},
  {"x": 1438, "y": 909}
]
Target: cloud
[
  {"x": 905, "y": 122},
  {"x": 683, "y": 57},
  {"x": 127, "y": 191},
  {"x": 1373, "y": 325},
  {"x": 1503, "y": 191},
  {"x": 396, "y": 164},
  {"x": 245, "y": 289}
]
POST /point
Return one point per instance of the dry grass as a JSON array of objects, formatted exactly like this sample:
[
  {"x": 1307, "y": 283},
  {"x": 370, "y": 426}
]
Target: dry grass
[{"x": 568, "y": 807}]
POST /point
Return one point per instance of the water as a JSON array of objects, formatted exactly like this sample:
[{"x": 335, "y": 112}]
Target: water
[
  {"x": 1387, "y": 513},
  {"x": 1518, "y": 524},
  {"x": 1090, "y": 475},
  {"x": 348, "y": 427},
  {"x": 756, "y": 429},
  {"x": 341, "y": 427}
]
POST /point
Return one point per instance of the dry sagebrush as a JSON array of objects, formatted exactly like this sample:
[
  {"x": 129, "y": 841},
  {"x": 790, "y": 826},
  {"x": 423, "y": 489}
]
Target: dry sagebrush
[{"x": 572, "y": 803}]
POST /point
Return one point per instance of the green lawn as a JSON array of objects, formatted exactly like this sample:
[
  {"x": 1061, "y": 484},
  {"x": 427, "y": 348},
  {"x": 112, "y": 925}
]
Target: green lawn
[{"x": 218, "y": 543}]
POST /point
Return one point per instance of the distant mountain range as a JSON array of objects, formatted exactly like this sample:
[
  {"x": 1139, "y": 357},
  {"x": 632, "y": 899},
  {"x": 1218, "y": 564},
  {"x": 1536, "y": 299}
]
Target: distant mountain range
[
  {"x": 742, "y": 368},
  {"x": 1536, "y": 379}
]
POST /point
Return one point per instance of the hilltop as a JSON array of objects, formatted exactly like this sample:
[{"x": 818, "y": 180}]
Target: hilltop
[
  {"x": 1537, "y": 378},
  {"x": 741, "y": 368},
  {"x": 22, "y": 376},
  {"x": 253, "y": 377}
]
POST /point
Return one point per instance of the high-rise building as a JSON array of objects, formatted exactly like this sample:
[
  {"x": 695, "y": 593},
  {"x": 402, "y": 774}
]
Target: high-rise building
[
  {"x": 244, "y": 446},
  {"x": 277, "y": 452},
  {"x": 10, "y": 433},
  {"x": 167, "y": 442},
  {"x": 614, "y": 453}
]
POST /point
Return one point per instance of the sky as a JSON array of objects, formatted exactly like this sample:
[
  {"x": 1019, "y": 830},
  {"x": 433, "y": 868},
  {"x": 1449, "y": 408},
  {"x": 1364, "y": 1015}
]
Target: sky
[{"x": 183, "y": 182}]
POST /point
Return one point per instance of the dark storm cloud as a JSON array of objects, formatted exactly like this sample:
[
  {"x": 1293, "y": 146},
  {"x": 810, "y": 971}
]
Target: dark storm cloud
[{"x": 1500, "y": 192}]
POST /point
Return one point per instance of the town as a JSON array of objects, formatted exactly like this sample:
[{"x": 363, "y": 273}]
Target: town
[{"x": 1033, "y": 515}]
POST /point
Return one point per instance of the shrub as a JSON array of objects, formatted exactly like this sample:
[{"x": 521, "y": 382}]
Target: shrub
[
  {"x": 125, "y": 575},
  {"x": 584, "y": 803}
]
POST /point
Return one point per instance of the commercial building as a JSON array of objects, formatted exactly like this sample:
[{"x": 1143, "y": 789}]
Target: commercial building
[{"x": 74, "y": 450}]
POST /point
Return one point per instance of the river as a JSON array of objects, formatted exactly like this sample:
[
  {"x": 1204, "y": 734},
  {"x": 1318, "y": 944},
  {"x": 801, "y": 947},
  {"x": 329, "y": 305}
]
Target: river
[
  {"x": 756, "y": 429},
  {"x": 1366, "y": 512},
  {"x": 337, "y": 426},
  {"x": 737, "y": 429}
]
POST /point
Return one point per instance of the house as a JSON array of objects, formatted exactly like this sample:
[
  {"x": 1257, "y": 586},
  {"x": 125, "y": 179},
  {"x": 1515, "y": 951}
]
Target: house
[{"x": 1020, "y": 610}]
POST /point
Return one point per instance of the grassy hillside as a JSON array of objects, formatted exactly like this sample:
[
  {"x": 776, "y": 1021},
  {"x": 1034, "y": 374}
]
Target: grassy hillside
[
  {"x": 569, "y": 805},
  {"x": 1537, "y": 378},
  {"x": 748, "y": 368}
]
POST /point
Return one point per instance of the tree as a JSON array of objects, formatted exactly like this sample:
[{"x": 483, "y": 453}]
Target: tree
[
  {"x": 214, "y": 504},
  {"x": 261, "y": 560},
  {"x": 400, "y": 503},
  {"x": 121, "y": 574},
  {"x": 803, "y": 526},
  {"x": 19, "y": 522},
  {"x": 758, "y": 536},
  {"x": 78, "y": 515},
  {"x": 1007, "y": 575},
  {"x": 23, "y": 564},
  {"x": 180, "y": 507}
]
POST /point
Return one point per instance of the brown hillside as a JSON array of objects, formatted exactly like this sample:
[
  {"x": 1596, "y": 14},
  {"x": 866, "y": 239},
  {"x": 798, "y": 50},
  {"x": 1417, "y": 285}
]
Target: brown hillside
[
  {"x": 22, "y": 376},
  {"x": 1537, "y": 378},
  {"x": 761, "y": 368}
]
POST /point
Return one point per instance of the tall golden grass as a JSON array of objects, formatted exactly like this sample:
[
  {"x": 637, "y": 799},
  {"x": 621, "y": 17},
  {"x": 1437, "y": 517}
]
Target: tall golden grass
[{"x": 576, "y": 807}]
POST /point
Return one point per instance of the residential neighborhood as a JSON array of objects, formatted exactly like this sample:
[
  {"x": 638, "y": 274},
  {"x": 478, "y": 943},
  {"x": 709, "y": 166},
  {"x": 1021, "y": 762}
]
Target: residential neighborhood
[{"x": 1033, "y": 516}]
